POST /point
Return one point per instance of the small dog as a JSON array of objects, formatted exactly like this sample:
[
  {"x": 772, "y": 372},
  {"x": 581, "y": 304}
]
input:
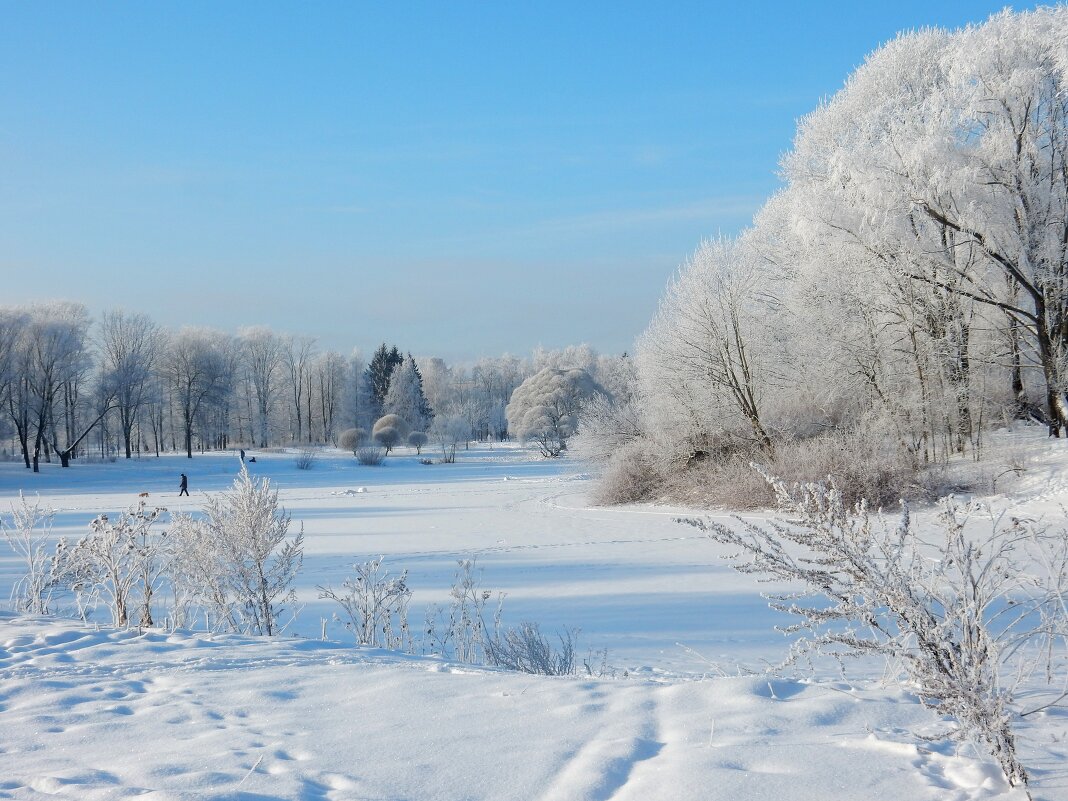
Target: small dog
[{"x": 142, "y": 495}]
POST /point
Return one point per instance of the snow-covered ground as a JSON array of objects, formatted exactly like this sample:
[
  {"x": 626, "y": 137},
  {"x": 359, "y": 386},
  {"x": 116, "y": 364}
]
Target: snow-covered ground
[{"x": 98, "y": 713}]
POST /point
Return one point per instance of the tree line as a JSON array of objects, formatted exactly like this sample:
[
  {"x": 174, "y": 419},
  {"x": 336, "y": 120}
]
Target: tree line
[{"x": 122, "y": 385}]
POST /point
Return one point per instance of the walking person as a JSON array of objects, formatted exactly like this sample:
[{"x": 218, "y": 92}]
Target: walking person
[
  {"x": 183, "y": 488},
  {"x": 242, "y": 454}
]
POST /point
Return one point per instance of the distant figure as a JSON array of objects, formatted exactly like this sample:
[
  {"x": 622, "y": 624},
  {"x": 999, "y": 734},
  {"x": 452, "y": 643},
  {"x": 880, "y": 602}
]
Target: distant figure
[
  {"x": 252, "y": 460},
  {"x": 183, "y": 488},
  {"x": 242, "y": 454}
]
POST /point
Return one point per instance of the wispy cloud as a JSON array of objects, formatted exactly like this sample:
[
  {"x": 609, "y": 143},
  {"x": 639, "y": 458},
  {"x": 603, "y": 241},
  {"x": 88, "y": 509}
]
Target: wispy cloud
[{"x": 614, "y": 219}]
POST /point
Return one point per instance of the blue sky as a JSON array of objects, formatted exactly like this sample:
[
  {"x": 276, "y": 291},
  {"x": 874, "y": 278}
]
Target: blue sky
[{"x": 461, "y": 179}]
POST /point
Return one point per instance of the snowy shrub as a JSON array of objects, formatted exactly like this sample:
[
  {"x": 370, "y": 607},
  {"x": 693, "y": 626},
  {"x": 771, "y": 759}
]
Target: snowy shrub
[
  {"x": 417, "y": 439},
  {"x": 460, "y": 631},
  {"x": 630, "y": 476},
  {"x": 863, "y": 468},
  {"x": 387, "y": 437},
  {"x": 198, "y": 580},
  {"x": 376, "y": 605},
  {"x": 526, "y": 650},
  {"x": 27, "y": 534},
  {"x": 305, "y": 459},
  {"x": 394, "y": 421},
  {"x": 120, "y": 562},
  {"x": 370, "y": 455},
  {"x": 245, "y": 560},
  {"x": 867, "y": 468},
  {"x": 544, "y": 409},
  {"x": 351, "y": 438},
  {"x": 964, "y": 621}
]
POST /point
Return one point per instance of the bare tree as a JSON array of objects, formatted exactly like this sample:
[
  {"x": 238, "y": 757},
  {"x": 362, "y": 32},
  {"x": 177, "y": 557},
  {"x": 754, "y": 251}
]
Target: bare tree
[
  {"x": 297, "y": 353},
  {"x": 130, "y": 348},
  {"x": 55, "y": 360},
  {"x": 195, "y": 366},
  {"x": 263, "y": 358}
]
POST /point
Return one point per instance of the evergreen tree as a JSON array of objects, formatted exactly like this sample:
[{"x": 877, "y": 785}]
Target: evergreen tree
[
  {"x": 426, "y": 411},
  {"x": 379, "y": 372}
]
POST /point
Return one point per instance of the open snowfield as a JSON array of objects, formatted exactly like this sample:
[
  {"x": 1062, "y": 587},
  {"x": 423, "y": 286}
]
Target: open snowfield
[{"x": 90, "y": 712}]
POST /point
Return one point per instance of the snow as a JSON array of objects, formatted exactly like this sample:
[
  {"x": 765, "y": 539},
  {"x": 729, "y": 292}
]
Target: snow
[{"x": 91, "y": 712}]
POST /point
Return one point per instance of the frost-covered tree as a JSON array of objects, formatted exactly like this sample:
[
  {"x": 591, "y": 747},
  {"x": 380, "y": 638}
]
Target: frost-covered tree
[
  {"x": 448, "y": 431},
  {"x": 130, "y": 346},
  {"x": 12, "y": 324},
  {"x": 945, "y": 160},
  {"x": 297, "y": 354},
  {"x": 396, "y": 422},
  {"x": 386, "y": 436},
  {"x": 196, "y": 368},
  {"x": 417, "y": 439},
  {"x": 328, "y": 376},
  {"x": 356, "y": 396},
  {"x": 545, "y": 408},
  {"x": 264, "y": 360},
  {"x": 438, "y": 380},
  {"x": 351, "y": 438},
  {"x": 405, "y": 397},
  {"x": 54, "y": 364},
  {"x": 705, "y": 366}
]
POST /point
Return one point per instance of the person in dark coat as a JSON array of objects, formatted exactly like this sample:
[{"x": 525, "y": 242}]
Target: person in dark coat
[
  {"x": 183, "y": 488},
  {"x": 242, "y": 454}
]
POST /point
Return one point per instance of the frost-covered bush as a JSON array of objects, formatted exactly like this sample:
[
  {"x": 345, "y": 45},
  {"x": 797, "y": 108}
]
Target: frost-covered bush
[
  {"x": 242, "y": 561},
  {"x": 417, "y": 439},
  {"x": 351, "y": 438},
  {"x": 305, "y": 459},
  {"x": 526, "y": 650},
  {"x": 376, "y": 605},
  {"x": 864, "y": 467},
  {"x": 460, "y": 631},
  {"x": 964, "y": 620},
  {"x": 387, "y": 437},
  {"x": 631, "y": 475},
  {"x": 27, "y": 532},
  {"x": 545, "y": 408},
  {"x": 120, "y": 562},
  {"x": 375, "y": 608},
  {"x": 394, "y": 421},
  {"x": 370, "y": 455}
]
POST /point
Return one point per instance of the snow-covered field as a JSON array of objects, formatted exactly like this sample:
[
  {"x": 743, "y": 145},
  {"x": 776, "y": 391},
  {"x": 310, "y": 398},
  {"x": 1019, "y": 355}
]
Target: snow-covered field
[{"x": 95, "y": 713}]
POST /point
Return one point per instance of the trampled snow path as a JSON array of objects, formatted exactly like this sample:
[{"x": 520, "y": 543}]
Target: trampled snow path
[{"x": 117, "y": 714}]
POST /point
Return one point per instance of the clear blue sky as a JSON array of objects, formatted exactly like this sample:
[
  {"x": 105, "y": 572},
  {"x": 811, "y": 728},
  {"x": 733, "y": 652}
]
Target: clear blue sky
[{"x": 460, "y": 179}]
